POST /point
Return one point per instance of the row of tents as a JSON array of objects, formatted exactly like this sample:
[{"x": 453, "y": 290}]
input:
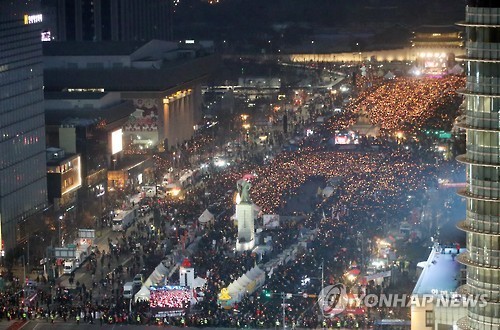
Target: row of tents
[
  {"x": 255, "y": 278},
  {"x": 165, "y": 270},
  {"x": 246, "y": 284},
  {"x": 157, "y": 276}
]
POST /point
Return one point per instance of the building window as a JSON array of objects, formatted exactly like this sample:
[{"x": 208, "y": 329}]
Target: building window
[{"x": 429, "y": 318}]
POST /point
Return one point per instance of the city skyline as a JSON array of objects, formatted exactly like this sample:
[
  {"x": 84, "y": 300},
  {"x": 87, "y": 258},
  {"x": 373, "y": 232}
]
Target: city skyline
[{"x": 250, "y": 164}]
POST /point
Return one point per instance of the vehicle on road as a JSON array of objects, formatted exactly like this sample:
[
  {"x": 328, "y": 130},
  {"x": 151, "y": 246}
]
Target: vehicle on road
[
  {"x": 124, "y": 219},
  {"x": 138, "y": 279},
  {"x": 70, "y": 265},
  {"x": 128, "y": 290},
  {"x": 82, "y": 253}
]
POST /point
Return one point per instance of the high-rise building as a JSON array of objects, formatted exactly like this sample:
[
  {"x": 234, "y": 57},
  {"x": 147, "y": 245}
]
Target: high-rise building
[
  {"x": 482, "y": 159},
  {"x": 108, "y": 20},
  {"x": 23, "y": 184}
]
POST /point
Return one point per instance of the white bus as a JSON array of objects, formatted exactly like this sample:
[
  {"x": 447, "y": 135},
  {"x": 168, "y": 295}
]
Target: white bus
[{"x": 123, "y": 219}]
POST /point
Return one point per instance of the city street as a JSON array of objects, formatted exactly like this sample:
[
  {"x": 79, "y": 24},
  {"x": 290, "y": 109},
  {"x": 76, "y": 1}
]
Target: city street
[{"x": 346, "y": 203}]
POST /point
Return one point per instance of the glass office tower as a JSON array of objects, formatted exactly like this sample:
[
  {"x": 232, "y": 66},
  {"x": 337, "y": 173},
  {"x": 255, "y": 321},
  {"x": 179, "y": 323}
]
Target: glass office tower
[
  {"x": 23, "y": 187},
  {"x": 482, "y": 159}
]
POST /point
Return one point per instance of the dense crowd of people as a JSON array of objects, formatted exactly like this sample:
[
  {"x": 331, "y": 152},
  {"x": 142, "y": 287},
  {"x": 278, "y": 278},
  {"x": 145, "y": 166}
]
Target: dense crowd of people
[
  {"x": 405, "y": 103},
  {"x": 374, "y": 175},
  {"x": 370, "y": 191},
  {"x": 174, "y": 299}
]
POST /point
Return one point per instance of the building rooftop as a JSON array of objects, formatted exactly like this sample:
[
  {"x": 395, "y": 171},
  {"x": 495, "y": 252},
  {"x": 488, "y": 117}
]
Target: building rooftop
[
  {"x": 90, "y": 48},
  {"x": 130, "y": 79},
  {"x": 114, "y": 115},
  {"x": 441, "y": 271},
  {"x": 437, "y": 29},
  {"x": 154, "y": 66},
  {"x": 74, "y": 95},
  {"x": 131, "y": 161},
  {"x": 57, "y": 156}
]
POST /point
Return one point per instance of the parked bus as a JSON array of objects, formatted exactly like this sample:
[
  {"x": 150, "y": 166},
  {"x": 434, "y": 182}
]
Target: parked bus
[{"x": 124, "y": 219}]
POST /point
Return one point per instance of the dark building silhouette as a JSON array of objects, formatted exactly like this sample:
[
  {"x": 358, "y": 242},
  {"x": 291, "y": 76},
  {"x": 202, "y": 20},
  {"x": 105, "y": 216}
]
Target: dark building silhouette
[
  {"x": 108, "y": 20},
  {"x": 23, "y": 182}
]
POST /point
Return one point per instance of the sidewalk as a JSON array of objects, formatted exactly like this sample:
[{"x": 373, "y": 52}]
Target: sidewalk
[{"x": 83, "y": 276}]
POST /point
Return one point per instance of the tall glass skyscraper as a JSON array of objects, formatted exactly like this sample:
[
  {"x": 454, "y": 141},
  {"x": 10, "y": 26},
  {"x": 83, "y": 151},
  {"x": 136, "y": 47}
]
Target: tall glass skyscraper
[
  {"x": 482, "y": 159},
  {"x": 23, "y": 187}
]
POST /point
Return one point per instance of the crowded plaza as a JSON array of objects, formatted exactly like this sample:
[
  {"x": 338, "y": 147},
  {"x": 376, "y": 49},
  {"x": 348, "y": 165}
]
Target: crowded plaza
[{"x": 373, "y": 186}]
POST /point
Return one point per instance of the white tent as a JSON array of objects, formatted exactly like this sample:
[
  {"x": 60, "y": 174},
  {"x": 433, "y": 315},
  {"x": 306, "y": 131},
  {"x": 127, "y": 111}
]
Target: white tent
[
  {"x": 234, "y": 287},
  {"x": 258, "y": 277},
  {"x": 199, "y": 282},
  {"x": 328, "y": 191},
  {"x": 205, "y": 217},
  {"x": 161, "y": 269},
  {"x": 155, "y": 277},
  {"x": 243, "y": 281},
  {"x": 246, "y": 284},
  {"x": 158, "y": 274},
  {"x": 148, "y": 282},
  {"x": 143, "y": 294},
  {"x": 193, "y": 247},
  {"x": 255, "y": 273},
  {"x": 389, "y": 75},
  {"x": 235, "y": 291}
]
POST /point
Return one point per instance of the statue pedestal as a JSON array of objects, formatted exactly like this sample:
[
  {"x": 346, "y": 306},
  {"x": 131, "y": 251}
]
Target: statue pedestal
[{"x": 246, "y": 227}]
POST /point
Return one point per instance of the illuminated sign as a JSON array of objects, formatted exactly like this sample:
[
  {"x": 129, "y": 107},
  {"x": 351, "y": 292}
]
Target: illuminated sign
[
  {"x": 444, "y": 135},
  {"x": 46, "y": 36},
  {"x": 31, "y": 19},
  {"x": 116, "y": 141}
]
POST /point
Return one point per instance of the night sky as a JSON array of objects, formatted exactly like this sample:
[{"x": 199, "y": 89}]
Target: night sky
[
  {"x": 258, "y": 15},
  {"x": 250, "y": 25}
]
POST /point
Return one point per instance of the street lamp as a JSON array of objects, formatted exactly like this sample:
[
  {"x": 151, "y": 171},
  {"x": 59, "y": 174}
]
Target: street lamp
[
  {"x": 314, "y": 51},
  {"x": 359, "y": 51},
  {"x": 24, "y": 271},
  {"x": 60, "y": 225}
]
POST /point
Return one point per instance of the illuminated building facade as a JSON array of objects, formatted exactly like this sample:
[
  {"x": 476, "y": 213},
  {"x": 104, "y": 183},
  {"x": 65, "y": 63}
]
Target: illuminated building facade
[
  {"x": 89, "y": 124},
  {"x": 161, "y": 79},
  {"x": 23, "y": 185},
  {"x": 432, "y": 36},
  {"x": 112, "y": 20},
  {"x": 63, "y": 173},
  {"x": 434, "y": 48},
  {"x": 482, "y": 160}
]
